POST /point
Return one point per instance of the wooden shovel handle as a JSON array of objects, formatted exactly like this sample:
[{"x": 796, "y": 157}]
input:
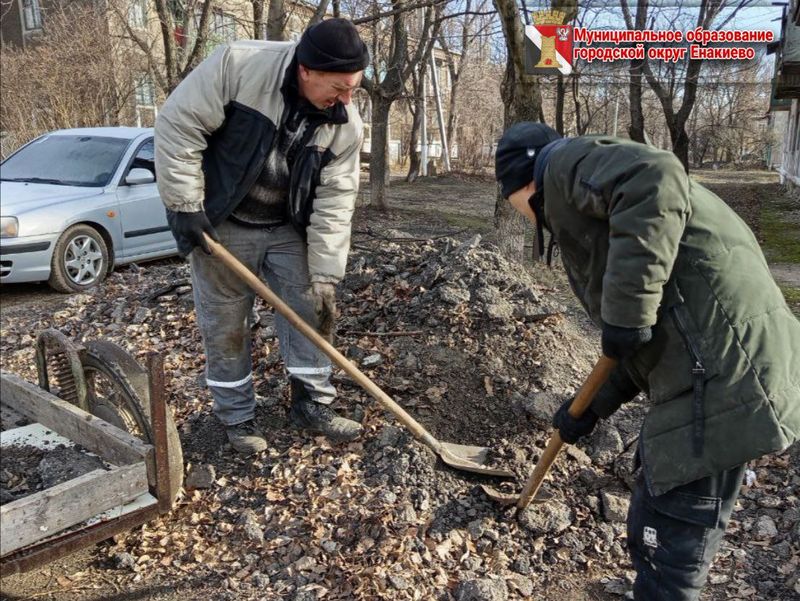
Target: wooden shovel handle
[
  {"x": 599, "y": 375},
  {"x": 293, "y": 318}
]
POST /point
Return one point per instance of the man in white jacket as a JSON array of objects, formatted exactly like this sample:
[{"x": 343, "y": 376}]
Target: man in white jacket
[{"x": 259, "y": 148}]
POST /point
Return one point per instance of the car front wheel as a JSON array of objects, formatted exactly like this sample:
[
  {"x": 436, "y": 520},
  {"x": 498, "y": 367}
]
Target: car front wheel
[{"x": 80, "y": 259}]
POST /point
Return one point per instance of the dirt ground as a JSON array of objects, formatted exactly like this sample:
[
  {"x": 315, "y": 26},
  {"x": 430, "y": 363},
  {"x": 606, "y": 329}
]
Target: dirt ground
[{"x": 458, "y": 208}]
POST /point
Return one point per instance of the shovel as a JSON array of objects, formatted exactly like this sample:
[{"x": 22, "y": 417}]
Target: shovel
[
  {"x": 461, "y": 457},
  {"x": 600, "y": 373}
]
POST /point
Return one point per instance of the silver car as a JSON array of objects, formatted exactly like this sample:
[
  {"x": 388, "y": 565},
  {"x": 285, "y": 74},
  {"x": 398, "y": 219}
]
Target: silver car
[{"x": 77, "y": 202}]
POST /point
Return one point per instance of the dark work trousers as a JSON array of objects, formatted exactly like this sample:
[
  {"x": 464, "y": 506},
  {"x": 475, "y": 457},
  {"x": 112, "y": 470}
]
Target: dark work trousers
[{"x": 672, "y": 538}]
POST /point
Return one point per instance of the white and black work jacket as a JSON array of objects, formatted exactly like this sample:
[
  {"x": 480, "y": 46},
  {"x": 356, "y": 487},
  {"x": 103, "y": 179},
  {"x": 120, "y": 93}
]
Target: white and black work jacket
[{"x": 214, "y": 132}]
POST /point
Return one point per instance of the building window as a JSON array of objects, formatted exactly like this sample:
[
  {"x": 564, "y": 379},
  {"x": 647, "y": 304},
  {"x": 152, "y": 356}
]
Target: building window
[
  {"x": 145, "y": 91},
  {"x": 137, "y": 13},
  {"x": 223, "y": 27},
  {"x": 33, "y": 14}
]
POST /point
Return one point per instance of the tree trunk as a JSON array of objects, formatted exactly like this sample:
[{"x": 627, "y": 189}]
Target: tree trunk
[
  {"x": 378, "y": 163},
  {"x": 560, "y": 104},
  {"x": 680, "y": 144},
  {"x": 258, "y": 19},
  {"x": 452, "y": 118},
  {"x": 319, "y": 13},
  {"x": 636, "y": 130},
  {"x": 416, "y": 125},
  {"x": 168, "y": 39},
  {"x": 522, "y": 101},
  {"x": 276, "y": 19}
]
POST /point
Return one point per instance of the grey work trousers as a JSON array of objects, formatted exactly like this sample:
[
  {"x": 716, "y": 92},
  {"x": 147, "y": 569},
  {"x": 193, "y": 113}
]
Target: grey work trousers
[{"x": 223, "y": 303}]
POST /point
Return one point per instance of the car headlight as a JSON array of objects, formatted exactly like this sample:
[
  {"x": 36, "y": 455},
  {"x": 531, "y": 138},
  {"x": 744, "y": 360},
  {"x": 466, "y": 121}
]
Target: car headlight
[{"x": 9, "y": 227}]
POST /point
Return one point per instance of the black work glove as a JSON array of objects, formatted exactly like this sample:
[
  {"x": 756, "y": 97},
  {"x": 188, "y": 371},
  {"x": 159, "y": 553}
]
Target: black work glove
[
  {"x": 621, "y": 343},
  {"x": 571, "y": 428},
  {"x": 192, "y": 226}
]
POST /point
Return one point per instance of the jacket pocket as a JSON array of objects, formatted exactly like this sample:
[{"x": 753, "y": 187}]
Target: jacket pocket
[
  {"x": 683, "y": 367},
  {"x": 689, "y": 508}
]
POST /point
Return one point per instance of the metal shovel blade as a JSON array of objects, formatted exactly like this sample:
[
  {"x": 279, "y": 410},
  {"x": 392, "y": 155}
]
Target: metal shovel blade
[
  {"x": 470, "y": 459},
  {"x": 508, "y": 499}
]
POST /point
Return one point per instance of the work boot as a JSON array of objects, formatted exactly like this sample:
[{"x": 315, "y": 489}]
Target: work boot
[
  {"x": 310, "y": 415},
  {"x": 246, "y": 438}
]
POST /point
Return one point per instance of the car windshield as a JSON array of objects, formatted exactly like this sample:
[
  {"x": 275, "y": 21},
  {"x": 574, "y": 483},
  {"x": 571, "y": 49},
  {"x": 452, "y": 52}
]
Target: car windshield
[{"x": 66, "y": 160}]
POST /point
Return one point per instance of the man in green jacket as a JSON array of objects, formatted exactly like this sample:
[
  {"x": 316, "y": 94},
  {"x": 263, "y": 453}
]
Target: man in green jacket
[{"x": 685, "y": 300}]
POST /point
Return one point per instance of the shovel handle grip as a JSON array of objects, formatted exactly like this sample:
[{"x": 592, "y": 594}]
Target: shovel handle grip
[
  {"x": 599, "y": 375},
  {"x": 326, "y": 347}
]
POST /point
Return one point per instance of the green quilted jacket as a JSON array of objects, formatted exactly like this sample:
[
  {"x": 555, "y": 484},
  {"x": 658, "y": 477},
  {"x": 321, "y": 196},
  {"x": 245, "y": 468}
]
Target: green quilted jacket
[{"x": 644, "y": 245}]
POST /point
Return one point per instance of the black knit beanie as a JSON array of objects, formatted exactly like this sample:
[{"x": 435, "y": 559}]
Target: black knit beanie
[
  {"x": 517, "y": 152},
  {"x": 333, "y": 45}
]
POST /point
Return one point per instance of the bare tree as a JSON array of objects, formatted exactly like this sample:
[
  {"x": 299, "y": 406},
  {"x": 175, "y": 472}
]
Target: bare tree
[
  {"x": 319, "y": 13},
  {"x": 669, "y": 86},
  {"x": 726, "y": 124},
  {"x": 480, "y": 110},
  {"x": 184, "y": 35},
  {"x": 67, "y": 79},
  {"x": 276, "y": 20},
  {"x": 391, "y": 69},
  {"x": 522, "y": 99},
  {"x": 415, "y": 106},
  {"x": 468, "y": 27},
  {"x": 636, "y": 130},
  {"x": 259, "y": 25}
]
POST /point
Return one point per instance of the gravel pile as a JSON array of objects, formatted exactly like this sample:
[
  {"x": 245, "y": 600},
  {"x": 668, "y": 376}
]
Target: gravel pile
[{"x": 477, "y": 350}]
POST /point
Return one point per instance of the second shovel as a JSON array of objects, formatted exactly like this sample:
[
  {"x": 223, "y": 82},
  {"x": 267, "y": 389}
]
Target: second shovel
[{"x": 600, "y": 373}]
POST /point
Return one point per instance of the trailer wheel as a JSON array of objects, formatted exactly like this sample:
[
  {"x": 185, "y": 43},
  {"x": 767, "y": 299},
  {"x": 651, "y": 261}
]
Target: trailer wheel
[{"x": 118, "y": 392}]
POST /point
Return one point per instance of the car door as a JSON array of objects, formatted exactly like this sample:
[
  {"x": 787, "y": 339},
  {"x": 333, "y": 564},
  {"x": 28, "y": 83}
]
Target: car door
[{"x": 144, "y": 222}]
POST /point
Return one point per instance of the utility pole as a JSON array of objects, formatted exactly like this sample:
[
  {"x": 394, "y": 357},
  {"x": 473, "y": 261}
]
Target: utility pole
[
  {"x": 423, "y": 133},
  {"x": 423, "y": 130},
  {"x": 616, "y": 114},
  {"x": 442, "y": 131}
]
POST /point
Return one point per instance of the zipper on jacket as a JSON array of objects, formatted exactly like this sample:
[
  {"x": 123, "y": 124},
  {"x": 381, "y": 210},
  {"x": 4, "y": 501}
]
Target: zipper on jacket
[{"x": 698, "y": 381}]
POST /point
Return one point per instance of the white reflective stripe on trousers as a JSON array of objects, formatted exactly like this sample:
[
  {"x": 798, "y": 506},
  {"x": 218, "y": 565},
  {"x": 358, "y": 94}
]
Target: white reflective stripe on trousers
[
  {"x": 307, "y": 371},
  {"x": 235, "y": 384}
]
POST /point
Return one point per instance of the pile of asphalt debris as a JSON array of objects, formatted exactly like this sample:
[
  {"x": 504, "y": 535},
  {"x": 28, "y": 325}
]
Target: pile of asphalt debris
[{"x": 480, "y": 352}]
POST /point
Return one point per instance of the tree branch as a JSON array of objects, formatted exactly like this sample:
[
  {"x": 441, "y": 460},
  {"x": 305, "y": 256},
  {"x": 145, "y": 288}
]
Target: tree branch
[{"x": 396, "y": 11}]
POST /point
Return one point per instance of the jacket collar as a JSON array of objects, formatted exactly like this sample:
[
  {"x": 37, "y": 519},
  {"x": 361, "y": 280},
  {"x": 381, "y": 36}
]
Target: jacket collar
[
  {"x": 537, "y": 201},
  {"x": 543, "y": 160}
]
